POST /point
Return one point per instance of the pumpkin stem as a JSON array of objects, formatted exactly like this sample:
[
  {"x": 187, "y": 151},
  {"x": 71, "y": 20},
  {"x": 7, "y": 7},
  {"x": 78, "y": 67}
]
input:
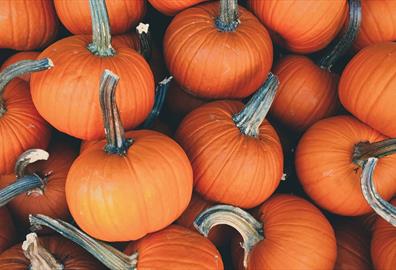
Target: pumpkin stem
[
  {"x": 106, "y": 254},
  {"x": 384, "y": 209},
  {"x": 39, "y": 257},
  {"x": 101, "y": 35},
  {"x": 144, "y": 40},
  {"x": 18, "y": 69},
  {"x": 228, "y": 20},
  {"x": 347, "y": 39},
  {"x": 250, "y": 229},
  {"x": 160, "y": 94},
  {"x": 115, "y": 135},
  {"x": 24, "y": 183},
  {"x": 250, "y": 118},
  {"x": 365, "y": 150}
]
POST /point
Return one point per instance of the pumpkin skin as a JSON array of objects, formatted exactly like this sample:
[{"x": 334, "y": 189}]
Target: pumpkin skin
[
  {"x": 35, "y": 27},
  {"x": 175, "y": 248},
  {"x": 171, "y": 7},
  {"x": 19, "y": 57},
  {"x": 21, "y": 127},
  {"x": 74, "y": 107},
  {"x": 372, "y": 68},
  {"x": 378, "y": 23},
  {"x": 228, "y": 166},
  {"x": 306, "y": 93},
  {"x": 209, "y": 63},
  {"x": 155, "y": 171},
  {"x": 326, "y": 171},
  {"x": 301, "y": 26},
  {"x": 64, "y": 251},
  {"x": 123, "y": 15},
  {"x": 7, "y": 229}
]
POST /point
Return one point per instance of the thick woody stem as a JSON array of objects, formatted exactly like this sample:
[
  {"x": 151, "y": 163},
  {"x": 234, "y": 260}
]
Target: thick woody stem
[
  {"x": 145, "y": 40},
  {"x": 364, "y": 150},
  {"x": 228, "y": 19}
]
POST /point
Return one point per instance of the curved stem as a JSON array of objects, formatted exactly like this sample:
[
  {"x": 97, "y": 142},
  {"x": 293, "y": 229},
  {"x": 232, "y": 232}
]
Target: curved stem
[
  {"x": 145, "y": 40},
  {"x": 39, "y": 257},
  {"x": 250, "y": 229},
  {"x": 20, "y": 68},
  {"x": 115, "y": 135},
  {"x": 384, "y": 209},
  {"x": 29, "y": 157},
  {"x": 255, "y": 111},
  {"x": 101, "y": 36},
  {"x": 347, "y": 39},
  {"x": 228, "y": 19},
  {"x": 109, "y": 256},
  {"x": 365, "y": 150},
  {"x": 160, "y": 94}
]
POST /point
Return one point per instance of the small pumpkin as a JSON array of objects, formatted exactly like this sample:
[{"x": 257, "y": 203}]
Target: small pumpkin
[
  {"x": 19, "y": 57},
  {"x": 235, "y": 153},
  {"x": 218, "y": 50},
  {"x": 123, "y": 15},
  {"x": 7, "y": 230},
  {"x": 171, "y": 7}
]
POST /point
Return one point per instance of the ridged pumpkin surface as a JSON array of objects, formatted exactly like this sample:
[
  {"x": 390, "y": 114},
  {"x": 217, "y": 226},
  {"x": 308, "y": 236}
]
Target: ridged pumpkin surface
[
  {"x": 19, "y": 57},
  {"x": 172, "y": 7},
  {"x": 7, "y": 229}
]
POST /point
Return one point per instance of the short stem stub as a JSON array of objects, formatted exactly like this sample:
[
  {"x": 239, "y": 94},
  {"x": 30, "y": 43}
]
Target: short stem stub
[
  {"x": 106, "y": 254},
  {"x": 228, "y": 19},
  {"x": 160, "y": 94},
  {"x": 250, "y": 118},
  {"x": 115, "y": 135},
  {"x": 144, "y": 40},
  {"x": 364, "y": 150},
  {"x": 347, "y": 39},
  {"x": 250, "y": 229},
  {"x": 384, "y": 209},
  {"x": 40, "y": 258},
  {"x": 101, "y": 35}
]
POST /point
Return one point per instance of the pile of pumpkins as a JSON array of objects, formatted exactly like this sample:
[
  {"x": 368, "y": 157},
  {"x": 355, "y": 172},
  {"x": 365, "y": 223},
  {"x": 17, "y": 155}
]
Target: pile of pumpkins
[{"x": 197, "y": 134}]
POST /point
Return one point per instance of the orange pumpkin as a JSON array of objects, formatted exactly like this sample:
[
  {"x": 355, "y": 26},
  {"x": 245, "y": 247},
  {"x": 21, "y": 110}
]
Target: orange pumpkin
[
  {"x": 372, "y": 69},
  {"x": 21, "y": 127},
  {"x": 19, "y": 57},
  {"x": 301, "y": 26},
  {"x": 150, "y": 167},
  {"x": 123, "y": 15},
  {"x": 235, "y": 153},
  {"x": 171, "y": 7},
  {"x": 378, "y": 23},
  {"x": 289, "y": 233},
  {"x": 328, "y": 160},
  {"x": 74, "y": 107},
  {"x": 7, "y": 230},
  {"x": 27, "y": 25},
  {"x": 218, "y": 56}
]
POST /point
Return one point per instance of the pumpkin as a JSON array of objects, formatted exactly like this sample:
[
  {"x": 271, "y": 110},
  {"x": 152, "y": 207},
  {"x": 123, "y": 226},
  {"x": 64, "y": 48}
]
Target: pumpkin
[
  {"x": 289, "y": 233},
  {"x": 21, "y": 127},
  {"x": 171, "y": 7},
  {"x": 235, "y": 153},
  {"x": 301, "y": 26},
  {"x": 328, "y": 162},
  {"x": 74, "y": 107},
  {"x": 218, "y": 50},
  {"x": 123, "y": 15},
  {"x": 53, "y": 252},
  {"x": 148, "y": 166},
  {"x": 378, "y": 23},
  {"x": 27, "y": 25},
  {"x": 372, "y": 68},
  {"x": 7, "y": 229},
  {"x": 19, "y": 57}
]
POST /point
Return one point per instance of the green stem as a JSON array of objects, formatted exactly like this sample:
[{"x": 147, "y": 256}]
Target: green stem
[
  {"x": 250, "y": 229},
  {"x": 115, "y": 134},
  {"x": 347, "y": 39},
  {"x": 255, "y": 111},
  {"x": 228, "y": 19},
  {"x": 145, "y": 40},
  {"x": 364, "y": 150},
  {"x": 101, "y": 35},
  {"x": 384, "y": 209},
  {"x": 106, "y": 254},
  {"x": 18, "y": 69}
]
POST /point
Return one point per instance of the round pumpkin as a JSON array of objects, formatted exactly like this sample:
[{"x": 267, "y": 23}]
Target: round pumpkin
[
  {"x": 27, "y": 25},
  {"x": 301, "y": 26},
  {"x": 123, "y": 15},
  {"x": 367, "y": 86},
  {"x": 19, "y": 57},
  {"x": 227, "y": 57},
  {"x": 328, "y": 171},
  {"x": 171, "y": 7},
  {"x": 7, "y": 230}
]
